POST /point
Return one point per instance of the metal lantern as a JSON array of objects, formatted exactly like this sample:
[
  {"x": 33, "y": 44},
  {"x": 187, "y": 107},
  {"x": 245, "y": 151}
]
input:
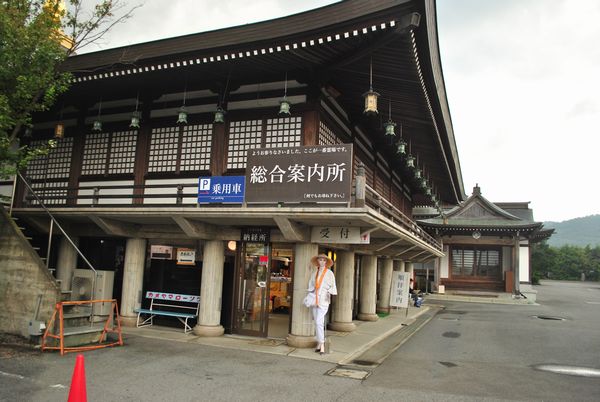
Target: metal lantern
[
  {"x": 182, "y": 116},
  {"x": 59, "y": 130},
  {"x": 417, "y": 173},
  {"x": 427, "y": 191},
  {"x": 284, "y": 106},
  {"x": 410, "y": 161},
  {"x": 423, "y": 182},
  {"x": 371, "y": 102},
  {"x": 219, "y": 115},
  {"x": 135, "y": 120},
  {"x": 401, "y": 147},
  {"x": 389, "y": 128},
  {"x": 28, "y": 132},
  {"x": 97, "y": 126}
]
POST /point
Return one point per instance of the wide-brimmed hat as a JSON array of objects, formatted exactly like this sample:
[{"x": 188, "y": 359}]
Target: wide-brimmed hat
[{"x": 316, "y": 263}]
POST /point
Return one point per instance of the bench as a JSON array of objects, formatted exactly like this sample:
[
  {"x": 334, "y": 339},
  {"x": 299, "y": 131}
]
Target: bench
[{"x": 169, "y": 305}]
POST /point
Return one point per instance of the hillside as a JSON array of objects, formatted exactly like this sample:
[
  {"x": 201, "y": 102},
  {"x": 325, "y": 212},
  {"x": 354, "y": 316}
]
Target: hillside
[{"x": 575, "y": 232}]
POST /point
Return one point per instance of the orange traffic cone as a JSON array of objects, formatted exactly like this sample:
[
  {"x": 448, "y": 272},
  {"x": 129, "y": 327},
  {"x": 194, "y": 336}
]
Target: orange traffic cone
[{"x": 77, "y": 393}]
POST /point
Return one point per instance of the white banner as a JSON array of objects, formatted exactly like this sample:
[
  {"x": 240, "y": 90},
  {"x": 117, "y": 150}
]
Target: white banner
[{"x": 399, "y": 296}]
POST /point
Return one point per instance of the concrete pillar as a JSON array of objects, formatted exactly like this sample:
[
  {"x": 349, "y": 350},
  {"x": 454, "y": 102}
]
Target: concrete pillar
[
  {"x": 211, "y": 290},
  {"x": 133, "y": 279},
  {"x": 344, "y": 278},
  {"x": 303, "y": 327},
  {"x": 399, "y": 265},
  {"x": 408, "y": 267},
  {"x": 67, "y": 262},
  {"x": 385, "y": 285},
  {"x": 368, "y": 289}
]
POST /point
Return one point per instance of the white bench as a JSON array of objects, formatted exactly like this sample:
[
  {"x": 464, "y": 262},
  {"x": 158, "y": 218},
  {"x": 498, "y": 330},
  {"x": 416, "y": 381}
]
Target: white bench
[{"x": 169, "y": 305}]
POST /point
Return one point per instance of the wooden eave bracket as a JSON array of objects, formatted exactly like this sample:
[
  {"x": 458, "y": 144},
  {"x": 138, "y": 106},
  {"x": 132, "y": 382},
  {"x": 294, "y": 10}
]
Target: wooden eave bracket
[{"x": 291, "y": 230}]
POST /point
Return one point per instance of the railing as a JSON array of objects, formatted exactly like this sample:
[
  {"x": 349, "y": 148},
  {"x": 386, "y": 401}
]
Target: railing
[{"x": 53, "y": 222}]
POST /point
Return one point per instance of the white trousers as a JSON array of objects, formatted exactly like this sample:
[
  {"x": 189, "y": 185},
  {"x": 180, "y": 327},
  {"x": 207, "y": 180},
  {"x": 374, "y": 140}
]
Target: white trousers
[{"x": 319, "y": 313}]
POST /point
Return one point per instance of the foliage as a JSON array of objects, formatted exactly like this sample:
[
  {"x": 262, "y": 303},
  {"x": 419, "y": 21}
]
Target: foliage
[
  {"x": 576, "y": 232},
  {"x": 565, "y": 263},
  {"x": 32, "y": 48}
]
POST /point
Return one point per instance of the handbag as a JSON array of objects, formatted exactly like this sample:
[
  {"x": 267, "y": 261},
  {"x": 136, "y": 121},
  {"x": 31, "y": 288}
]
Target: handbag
[{"x": 310, "y": 299}]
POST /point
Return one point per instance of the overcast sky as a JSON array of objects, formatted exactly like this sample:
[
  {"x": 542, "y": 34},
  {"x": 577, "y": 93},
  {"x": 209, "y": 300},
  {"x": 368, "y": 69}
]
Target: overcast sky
[{"x": 522, "y": 78}]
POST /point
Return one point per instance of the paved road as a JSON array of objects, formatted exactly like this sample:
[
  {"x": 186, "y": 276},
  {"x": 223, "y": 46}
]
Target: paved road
[{"x": 468, "y": 352}]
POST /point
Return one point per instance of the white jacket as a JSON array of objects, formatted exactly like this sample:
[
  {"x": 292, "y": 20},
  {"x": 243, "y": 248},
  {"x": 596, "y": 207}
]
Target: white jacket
[{"x": 327, "y": 288}]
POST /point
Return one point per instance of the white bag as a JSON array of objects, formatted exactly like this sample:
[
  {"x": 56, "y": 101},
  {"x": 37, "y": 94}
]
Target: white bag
[{"x": 310, "y": 299}]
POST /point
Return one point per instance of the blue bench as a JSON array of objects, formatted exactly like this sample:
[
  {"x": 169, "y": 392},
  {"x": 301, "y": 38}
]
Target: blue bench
[{"x": 169, "y": 305}]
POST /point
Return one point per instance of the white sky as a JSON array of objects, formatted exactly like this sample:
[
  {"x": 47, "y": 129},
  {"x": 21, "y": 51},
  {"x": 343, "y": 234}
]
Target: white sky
[{"x": 522, "y": 78}]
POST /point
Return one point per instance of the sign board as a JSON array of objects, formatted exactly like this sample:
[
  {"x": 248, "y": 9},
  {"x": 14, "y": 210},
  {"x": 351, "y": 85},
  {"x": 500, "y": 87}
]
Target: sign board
[
  {"x": 186, "y": 256},
  {"x": 256, "y": 235},
  {"x": 158, "y": 252},
  {"x": 399, "y": 296},
  {"x": 226, "y": 189},
  {"x": 321, "y": 174},
  {"x": 338, "y": 234}
]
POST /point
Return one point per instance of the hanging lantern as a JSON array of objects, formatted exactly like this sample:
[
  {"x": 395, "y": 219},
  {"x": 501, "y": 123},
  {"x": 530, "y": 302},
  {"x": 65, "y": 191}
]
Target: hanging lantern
[
  {"x": 135, "y": 120},
  {"x": 401, "y": 147},
  {"x": 219, "y": 115},
  {"x": 284, "y": 106},
  {"x": 389, "y": 126},
  {"x": 28, "y": 132},
  {"x": 59, "y": 130},
  {"x": 427, "y": 191},
  {"x": 417, "y": 173},
  {"x": 371, "y": 96},
  {"x": 182, "y": 116},
  {"x": 410, "y": 161},
  {"x": 423, "y": 183},
  {"x": 97, "y": 126}
]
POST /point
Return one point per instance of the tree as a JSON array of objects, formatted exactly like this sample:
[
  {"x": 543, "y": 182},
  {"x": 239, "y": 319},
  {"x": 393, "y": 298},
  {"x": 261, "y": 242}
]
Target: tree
[{"x": 32, "y": 48}]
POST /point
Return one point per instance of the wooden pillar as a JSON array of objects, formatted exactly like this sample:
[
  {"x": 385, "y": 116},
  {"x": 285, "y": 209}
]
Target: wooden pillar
[
  {"x": 209, "y": 318},
  {"x": 516, "y": 250},
  {"x": 303, "y": 327},
  {"x": 344, "y": 277},
  {"x": 141, "y": 151},
  {"x": 368, "y": 289}
]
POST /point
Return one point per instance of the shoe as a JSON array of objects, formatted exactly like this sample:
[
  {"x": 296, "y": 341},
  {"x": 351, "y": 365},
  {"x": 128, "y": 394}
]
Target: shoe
[
  {"x": 317, "y": 350},
  {"x": 321, "y": 353}
]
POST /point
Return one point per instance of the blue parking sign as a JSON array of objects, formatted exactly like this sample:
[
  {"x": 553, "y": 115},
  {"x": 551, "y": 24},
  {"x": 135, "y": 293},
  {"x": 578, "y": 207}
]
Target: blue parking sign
[{"x": 226, "y": 189}]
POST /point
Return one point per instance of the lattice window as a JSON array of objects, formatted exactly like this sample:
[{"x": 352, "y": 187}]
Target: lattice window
[
  {"x": 95, "y": 152},
  {"x": 164, "y": 147},
  {"x": 196, "y": 147},
  {"x": 122, "y": 152},
  {"x": 283, "y": 132},
  {"x": 243, "y": 135},
  {"x": 51, "y": 193},
  {"x": 56, "y": 164},
  {"x": 326, "y": 136}
]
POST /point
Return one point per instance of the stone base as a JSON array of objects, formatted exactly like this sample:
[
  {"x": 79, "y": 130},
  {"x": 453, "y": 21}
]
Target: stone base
[
  {"x": 297, "y": 341},
  {"x": 209, "y": 330},
  {"x": 383, "y": 310},
  {"x": 368, "y": 317},
  {"x": 128, "y": 321},
  {"x": 342, "y": 326}
]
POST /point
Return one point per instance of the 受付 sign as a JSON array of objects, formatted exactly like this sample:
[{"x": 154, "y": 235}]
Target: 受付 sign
[
  {"x": 338, "y": 234},
  {"x": 321, "y": 174}
]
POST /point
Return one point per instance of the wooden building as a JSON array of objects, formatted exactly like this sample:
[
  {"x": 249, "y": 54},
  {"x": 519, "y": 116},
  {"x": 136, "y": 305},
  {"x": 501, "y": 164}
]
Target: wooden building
[
  {"x": 486, "y": 245},
  {"x": 142, "y": 123}
]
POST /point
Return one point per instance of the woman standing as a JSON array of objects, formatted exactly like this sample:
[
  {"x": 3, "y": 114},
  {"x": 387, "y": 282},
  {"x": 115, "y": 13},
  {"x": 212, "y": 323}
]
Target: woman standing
[{"x": 322, "y": 283}]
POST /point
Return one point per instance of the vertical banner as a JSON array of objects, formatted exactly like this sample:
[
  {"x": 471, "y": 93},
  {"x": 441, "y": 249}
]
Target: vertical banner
[{"x": 399, "y": 296}]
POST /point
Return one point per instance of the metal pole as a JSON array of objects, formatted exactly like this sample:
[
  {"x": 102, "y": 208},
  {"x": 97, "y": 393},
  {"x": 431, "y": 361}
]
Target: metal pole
[
  {"x": 12, "y": 197},
  {"x": 49, "y": 243}
]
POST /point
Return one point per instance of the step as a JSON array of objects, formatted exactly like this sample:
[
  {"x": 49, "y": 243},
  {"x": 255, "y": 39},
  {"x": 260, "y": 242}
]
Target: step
[{"x": 83, "y": 330}]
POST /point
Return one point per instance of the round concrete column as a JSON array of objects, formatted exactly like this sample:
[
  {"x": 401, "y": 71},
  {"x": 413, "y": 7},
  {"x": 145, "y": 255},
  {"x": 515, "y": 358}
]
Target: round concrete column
[
  {"x": 385, "y": 285},
  {"x": 133, "y": 278},
  {"x": 399, "y": 265},
  {"x": 211, "y": 290},
  {"x": 67, "y": 262},
  {"x": 303, "y": 327},
  {"x": 368, "y": 289},
  {"x": 344, "y": 278},
  {"x": 408, "y": 267}
]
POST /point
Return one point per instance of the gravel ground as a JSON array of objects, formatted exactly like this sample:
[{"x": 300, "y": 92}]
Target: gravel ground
[{"x": 15, "y": 346}]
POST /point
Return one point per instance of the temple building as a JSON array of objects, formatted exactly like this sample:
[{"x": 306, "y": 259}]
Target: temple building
[{"x": 219, "y": 163}]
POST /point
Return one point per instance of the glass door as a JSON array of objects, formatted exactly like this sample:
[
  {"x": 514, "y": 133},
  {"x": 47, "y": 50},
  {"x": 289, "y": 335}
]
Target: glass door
[{"x": 252, "y": 290}]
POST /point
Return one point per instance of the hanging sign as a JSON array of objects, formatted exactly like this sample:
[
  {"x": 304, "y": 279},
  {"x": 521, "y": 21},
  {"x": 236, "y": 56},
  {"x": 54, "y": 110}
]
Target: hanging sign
[
  {"x": 338, "y": 234},
  {"x": 256, "y": 235},
  {"x": 186, "y": 256}
]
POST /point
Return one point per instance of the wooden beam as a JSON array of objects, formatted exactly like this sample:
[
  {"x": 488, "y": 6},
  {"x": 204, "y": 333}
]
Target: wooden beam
[
  {"x": 292, "y": 231},
  {"x": 405, "y": 251},
  {"x": 116, "y": 228},
  {"x": 197, "y": 230},
  {"x": 389, "y": 244}
]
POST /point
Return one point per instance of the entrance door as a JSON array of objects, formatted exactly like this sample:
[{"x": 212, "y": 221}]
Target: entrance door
[{"x": 252, "y": 290}]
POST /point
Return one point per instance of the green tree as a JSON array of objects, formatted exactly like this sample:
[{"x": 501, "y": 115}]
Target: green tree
[{"x": 32, "y": 48}]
